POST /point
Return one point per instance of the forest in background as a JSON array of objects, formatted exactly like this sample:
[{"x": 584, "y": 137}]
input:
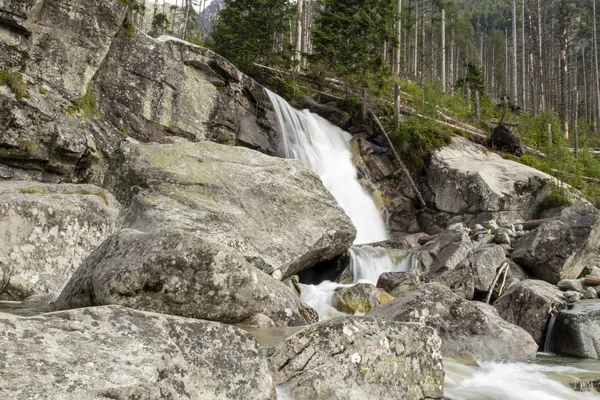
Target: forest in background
[{"x": 466, "y": 59}]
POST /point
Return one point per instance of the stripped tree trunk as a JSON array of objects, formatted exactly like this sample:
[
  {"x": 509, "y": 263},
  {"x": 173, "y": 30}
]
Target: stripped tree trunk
[
  {"x": 596, "y": 74},
  {"x": 564, "y": 71},
  {"x": 443, "y": 50},
  {"x": 299, "y": 23},
  {"x": 541, "y": 58},
  {"x": 515, "y": 91}
]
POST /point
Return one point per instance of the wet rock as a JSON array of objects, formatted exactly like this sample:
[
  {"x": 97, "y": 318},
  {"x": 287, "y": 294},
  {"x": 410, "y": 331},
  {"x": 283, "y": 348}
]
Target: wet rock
[
  {"x": 398, "y": 283},
  {"x": 276, "y": 212},
  {"x": 118, "y": 353},
  {"x": 465, "y": 178},
  {"x": 572, "y": 296},
  {"x": 590, "y": 293},
  {"x": 529, "y": 304},
  {"x": 360, "y": 298},
  {"x": 177, "y": 272},
  {"x": 576, "y": 330},
  {"x": 359, "y": 358},
  {"x": 560, "y": 248},
  {"x": 46, "y": 231},
  {"x": 468, "y": 329}
]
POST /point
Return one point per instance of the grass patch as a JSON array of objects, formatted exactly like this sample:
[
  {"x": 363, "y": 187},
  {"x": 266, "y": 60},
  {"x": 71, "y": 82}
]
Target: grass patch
[
  {"x": 43, "y": 91},
  {"x": 15, "y": 82},
  {"x": 85, "y": 106},
  {"x": 30, "y": 191},
  {"x": 28, "y": 146}
]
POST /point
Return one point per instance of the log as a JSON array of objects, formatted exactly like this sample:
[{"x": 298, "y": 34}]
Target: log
[
  {"x": 504, "y": 266},
  {"x": 591, "y": 280},
  {"x": 531, "y": 225},
  {"x": 585, "y": 178},
  {"x": 424, "y": 239}
]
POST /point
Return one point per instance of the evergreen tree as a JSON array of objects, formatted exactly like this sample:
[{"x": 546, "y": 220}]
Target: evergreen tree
[
  {"x": 254, "y": 31},
  {"x": 352, "y": 37}
]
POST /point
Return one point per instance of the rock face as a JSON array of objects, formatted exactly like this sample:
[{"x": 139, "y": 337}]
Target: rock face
[
  {"x": 463, "y": 178},
  {"x": 359, "y": 358},
  {"x": 46, "y": 231},
  {"x": 529, "y": 304},
  {"x": 576, "y": 331},
  {"x": 330, "y": 112},
  {"x": 89, "y": 84},
  {"x": 179, "y": 273},
  {"x": 276, "y": 212},
  {"x": 560, "y": 248},
  {"x": 469, "y": 330},
  {"x": 118, "y": 353}
]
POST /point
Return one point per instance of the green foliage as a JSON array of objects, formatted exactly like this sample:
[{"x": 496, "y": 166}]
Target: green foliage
[
  {"x": 474, "y": 77},
  {"x": 15, "y": 82},
  {"x": 348, "y": 37},
  {"x": 160, "y": 21},
  {"x": 254, "y": 31},
  {"x": 559, "y": 197},
  {"x": 86, "y": 106},
  {"x": 415, "y": 139}
]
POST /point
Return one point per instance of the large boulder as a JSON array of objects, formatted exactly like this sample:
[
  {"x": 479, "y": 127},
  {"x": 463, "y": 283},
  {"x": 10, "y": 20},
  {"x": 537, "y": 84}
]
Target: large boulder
[
  {"x": 529, "y": 305},
  {"x": 576, "y": 331},
  {"x": 469, "y": 330},
  {"x": 46, "y": 231},
  {"x": 465, "y": 178},
  {"x": 118, "y": 353},
  {"x": 179, "y": 273},
  {"x": 276, "y": 212},
  {"x": 359, "y": 358},
  {"x": 560, "y": 248},
  {"x": 361, "y": 298}
]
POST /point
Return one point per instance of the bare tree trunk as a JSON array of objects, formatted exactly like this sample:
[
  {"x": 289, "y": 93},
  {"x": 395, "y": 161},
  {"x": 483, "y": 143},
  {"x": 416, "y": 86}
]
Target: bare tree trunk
[
  {"x": 416, "y": 39},
  {"x": 397, "y": 58},
  {"x": 185, "y": 22},
  {"x": 523, "y": 59},
  {"x": 422, "y": 62},
  {"x": 155, "y": 8},
  {"x": 564, "y": 72},
  {"x": 515, "y": 92},
  {"x": 596, "y": 74},
  {"x": 443, "y": 50},
  {"x": 299, "y": 23},
  {"x": 531, "y": 61},
  {"x": 541, "y": 58}
]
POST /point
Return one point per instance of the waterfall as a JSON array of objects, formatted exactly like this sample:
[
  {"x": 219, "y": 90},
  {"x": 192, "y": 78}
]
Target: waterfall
[
  {"x": 325, "y": 148},
  {"x": 549, "y": 342}
]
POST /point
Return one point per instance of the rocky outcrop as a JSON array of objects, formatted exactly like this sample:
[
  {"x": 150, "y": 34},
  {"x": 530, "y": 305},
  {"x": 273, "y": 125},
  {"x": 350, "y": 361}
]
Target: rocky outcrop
[
  {"x": 529, "y": 305},
  {"x": 87, "y": 83},
  {"x": 466, "y": 179},
  {"x": 179, "y": 273},
  {"x": 118, "y": 353},
  {"x": 276, "y": 212},
  {"x": 576, "y": 331},
  {"x": 469, "y": 330},
  {"x": 329, "y": 112},
  {"x": 560, "y": 248},
  {"x": 359, "y": 358},
  {"x": 46, "y": 231}
]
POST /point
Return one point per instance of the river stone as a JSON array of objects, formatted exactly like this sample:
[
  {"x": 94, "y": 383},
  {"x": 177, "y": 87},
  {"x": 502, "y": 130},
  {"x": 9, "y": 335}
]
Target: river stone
[
  {"x": 529, "y": 304},
  {"x": 360, "y": 298},
  {"x": 560, "y": 248},
  {"x": 576, "y": 330},
  {"x": 469, "y": 329},
  {"x": 570, "y": 284},
  {"x": 359, "y": 358},
  {"x": 466, "y": 178},
  {"x": 117, "y": 353},
  {"x": 398, "y": 283},
  {"x": 177, "y": 272},
  {"x": 46, "y": 231},
  {"x": 276, "y": 212}
]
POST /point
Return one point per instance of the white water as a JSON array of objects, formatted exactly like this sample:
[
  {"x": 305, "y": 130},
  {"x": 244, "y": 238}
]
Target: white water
[
  {"x": 325, "y": 148},
  {"x": 549, "y": 343},
  {"x": 514, "y": 381}
]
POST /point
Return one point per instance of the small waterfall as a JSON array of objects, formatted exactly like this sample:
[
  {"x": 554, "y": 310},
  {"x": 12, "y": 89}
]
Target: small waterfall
[
  {"x": 549, "y": 342},
  {"x": 325, "y": 148}
]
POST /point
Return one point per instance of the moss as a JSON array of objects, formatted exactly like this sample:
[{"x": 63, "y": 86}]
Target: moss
[
  {"x": 28, "y": 146},
  {"x": 86, "y": 106},
  {"x": 15, "y": 82},
  {"x": 225, "y": 139},
  {"x": 30, "y": 191},
  {"x": 42, "y": 91},
  {"x": 125, "y": 130}
]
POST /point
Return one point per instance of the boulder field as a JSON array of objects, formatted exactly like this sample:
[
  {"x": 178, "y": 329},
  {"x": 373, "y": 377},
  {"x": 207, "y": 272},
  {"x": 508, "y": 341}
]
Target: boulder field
[{"x": 143, "y": 202}]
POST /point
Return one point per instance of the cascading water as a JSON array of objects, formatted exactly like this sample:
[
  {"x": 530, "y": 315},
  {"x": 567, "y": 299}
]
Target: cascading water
[
  {"x": 549, "y": 343},
  {"x": 325, "y": 148}
]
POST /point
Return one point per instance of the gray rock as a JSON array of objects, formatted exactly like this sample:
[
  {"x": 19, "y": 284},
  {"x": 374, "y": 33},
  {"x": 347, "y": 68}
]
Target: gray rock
[
  {"x": 576, "y": 330},
  {"x": 529, "y": 304},
  {"x": 47, "y": 230},
  {"x": 485, "y": 261},
  {"x": 460, "y": 280},
  {"x": 572, "y": 296},
  {"x": 502, "y": 238},
  {"x": 359, "y": 358},
  {"x": 398, "y": 283},
  {"x": 570, "y": 284},
  {"x": 448, "y": 249},
  {"x": 360, "y": 298},
  {"x": 469, "y": 330},
  {"x": 465, "y": 178},
  {"x": 560, "y": 248},
  {"x": 276, "y": 212},
  {"x": 118, "y": 353},
  {"x": 179, "y": 273},
  {"x": 590, "y": 293}
]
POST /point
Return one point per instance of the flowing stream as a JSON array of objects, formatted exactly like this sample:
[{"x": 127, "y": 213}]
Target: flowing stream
[{"x": 325, "y": 148}]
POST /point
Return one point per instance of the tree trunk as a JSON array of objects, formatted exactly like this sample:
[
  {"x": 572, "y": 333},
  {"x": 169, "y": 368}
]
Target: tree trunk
[
  {"x": 416, "y": 49},
  {"x": 596, "y": 73},
  {"x": 541, "y": 58},
  {"x": 523, "y": 59},
  {"x": 515, "y": 92},
  {"x": 397, "y": 55},
  {"x": 299, "y": 23},
  {"x": 443, "y": 50},
  {"x": 564, "y": 72}
]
